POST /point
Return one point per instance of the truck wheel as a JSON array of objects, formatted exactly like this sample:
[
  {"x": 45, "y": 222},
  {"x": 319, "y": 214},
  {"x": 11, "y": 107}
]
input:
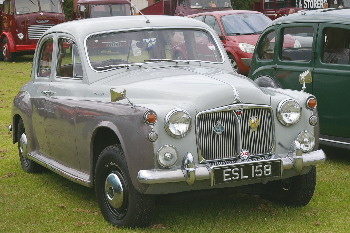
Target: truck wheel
[
  {"x": 27, "y": 165},
  {"x": 295, "y": 191},
  {"x": 5, "y": 51},
  {"x": 120, "y": 203}
]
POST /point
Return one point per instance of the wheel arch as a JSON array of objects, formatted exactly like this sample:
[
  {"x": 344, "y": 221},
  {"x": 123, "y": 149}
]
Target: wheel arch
[{"x": 15, "y": 120}]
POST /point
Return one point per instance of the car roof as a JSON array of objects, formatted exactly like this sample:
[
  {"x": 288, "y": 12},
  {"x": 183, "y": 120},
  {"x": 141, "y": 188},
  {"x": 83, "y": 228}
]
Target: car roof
[
  {"x": 84, "y": 27},
  {"x": 227, "y": 12},
  {"x": 330, "y": 15}
]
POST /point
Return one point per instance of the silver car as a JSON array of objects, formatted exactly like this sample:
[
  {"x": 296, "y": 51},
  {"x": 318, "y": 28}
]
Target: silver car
[{"x": 137, "y": 106}]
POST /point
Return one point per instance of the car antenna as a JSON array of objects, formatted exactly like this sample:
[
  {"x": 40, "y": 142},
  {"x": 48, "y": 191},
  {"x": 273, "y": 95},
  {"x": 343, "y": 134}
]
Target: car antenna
[{"x": 147, "y": 19}]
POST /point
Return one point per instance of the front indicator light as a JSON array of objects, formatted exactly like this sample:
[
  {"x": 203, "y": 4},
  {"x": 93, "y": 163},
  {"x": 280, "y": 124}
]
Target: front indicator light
[
  {"x": 150, "y": 117},
  {"x": 311, "y": 103}
]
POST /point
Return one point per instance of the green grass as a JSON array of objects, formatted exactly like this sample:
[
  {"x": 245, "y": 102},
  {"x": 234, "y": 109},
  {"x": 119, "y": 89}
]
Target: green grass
[{"x": 46, "y": 202}]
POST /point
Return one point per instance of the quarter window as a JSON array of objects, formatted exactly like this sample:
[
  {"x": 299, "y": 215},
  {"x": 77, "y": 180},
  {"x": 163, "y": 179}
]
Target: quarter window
[
  {"x": 213, "y": 23},
  {"x": 45, "y": 59},
  {"x": 297, "y": 44},
  {"x": 266, "y": 47},
  {"x": 336, "y": 46},
  {"x": 69, "y": 63}
]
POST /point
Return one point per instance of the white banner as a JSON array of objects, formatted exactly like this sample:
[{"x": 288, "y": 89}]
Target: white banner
[{"x": 312, "y": 4}]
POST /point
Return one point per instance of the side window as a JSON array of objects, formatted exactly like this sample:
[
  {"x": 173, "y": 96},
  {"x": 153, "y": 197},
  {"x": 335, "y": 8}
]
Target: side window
[
  {"x": 266, "y": 49},
  {"x": 45, "y": 59},
  {"x": 336, "y": 46},
  {"x": 83, "y": 11},
  {"x": 213, "y": 23},
  {"x": 297, "y": 44},
  {"x": 68, "y": 62}
]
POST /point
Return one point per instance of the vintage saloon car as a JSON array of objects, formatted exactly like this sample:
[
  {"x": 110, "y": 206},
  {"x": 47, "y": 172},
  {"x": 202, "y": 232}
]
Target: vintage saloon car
[
  {"x": 108, "y": 107},
  {"x": 323, "y": 50}
]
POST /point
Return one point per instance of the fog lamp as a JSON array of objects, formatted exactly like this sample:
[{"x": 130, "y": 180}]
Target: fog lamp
[
  {"x": 167, "y": 156},
  {"x": 306, "y": 140}
]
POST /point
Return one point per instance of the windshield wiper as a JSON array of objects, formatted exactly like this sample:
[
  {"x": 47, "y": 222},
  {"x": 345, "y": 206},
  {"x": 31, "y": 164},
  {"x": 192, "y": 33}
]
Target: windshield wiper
[
  {"x": 108, "y": 67},
  {"x": 171, "y": 60}
]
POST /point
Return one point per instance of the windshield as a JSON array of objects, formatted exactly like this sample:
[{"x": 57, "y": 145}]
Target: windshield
[
  {"x": 109, "y": 10},
  {"x": 210, "y": 4},
  {"x": 110, "y": 50},
  {"x": 244, "y": 24},
  {"x": 32, "y": 6}
]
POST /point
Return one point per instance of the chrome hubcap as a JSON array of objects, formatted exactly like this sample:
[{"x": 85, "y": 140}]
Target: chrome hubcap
[
  {"x": 23, "y": 145},
  {"x": 114, "y": 190}
]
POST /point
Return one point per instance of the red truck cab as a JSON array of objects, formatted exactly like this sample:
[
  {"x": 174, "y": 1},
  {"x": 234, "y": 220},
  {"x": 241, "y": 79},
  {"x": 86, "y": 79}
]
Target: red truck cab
[
  {"x": 23, "y": 22},
  {"x": 101, "y": 8},
  {"x": 186, "y": 7}
]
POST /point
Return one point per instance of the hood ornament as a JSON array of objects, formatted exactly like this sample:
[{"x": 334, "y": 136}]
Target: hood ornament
[{"x": 218, "y": 128}]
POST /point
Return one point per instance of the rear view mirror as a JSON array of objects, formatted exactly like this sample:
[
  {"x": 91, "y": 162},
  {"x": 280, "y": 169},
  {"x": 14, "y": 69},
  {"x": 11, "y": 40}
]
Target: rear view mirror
[{"x": 304, "y": 78}]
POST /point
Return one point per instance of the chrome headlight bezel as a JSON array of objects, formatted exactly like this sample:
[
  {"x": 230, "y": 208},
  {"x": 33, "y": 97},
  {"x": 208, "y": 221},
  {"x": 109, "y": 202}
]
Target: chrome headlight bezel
[
  {"x": 177, "y": 126},
  {"x": 285, "y": 109}
]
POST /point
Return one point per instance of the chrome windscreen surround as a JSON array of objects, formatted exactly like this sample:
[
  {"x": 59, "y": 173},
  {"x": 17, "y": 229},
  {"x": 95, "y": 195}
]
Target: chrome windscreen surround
[{"x": 221, "y": 133}]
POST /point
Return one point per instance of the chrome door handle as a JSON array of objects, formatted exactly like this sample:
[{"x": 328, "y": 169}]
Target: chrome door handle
[{"x": 48, "y": 93}]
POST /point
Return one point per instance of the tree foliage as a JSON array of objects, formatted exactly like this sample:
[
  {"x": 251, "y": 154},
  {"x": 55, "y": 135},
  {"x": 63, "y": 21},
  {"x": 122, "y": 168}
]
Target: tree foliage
[
  {"x": 243, "y": 4},
  {"x": 68, "y": 8}
]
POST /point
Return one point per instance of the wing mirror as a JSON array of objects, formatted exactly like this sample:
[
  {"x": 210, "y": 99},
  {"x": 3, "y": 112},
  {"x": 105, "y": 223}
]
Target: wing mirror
[
  {"x": 118, "y": 94},
  {"x": 304, "y": 78}
]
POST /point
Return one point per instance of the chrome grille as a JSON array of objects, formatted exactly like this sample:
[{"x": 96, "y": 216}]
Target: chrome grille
[
  {"x": 261, "y": 140},
  {"x": 237, "y": 133},
  {"x": 36, "y": 31},
  {"x": 214, "y": 146}
]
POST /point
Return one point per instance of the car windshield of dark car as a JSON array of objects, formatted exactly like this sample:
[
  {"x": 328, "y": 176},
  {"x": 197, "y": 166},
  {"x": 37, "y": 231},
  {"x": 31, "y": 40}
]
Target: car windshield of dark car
[
  {"x": 244, "y": 24},
  {"x": 119, "y": 49},
  {"x": 50, "y": 6},
  {"x": 210, "y": 4}
]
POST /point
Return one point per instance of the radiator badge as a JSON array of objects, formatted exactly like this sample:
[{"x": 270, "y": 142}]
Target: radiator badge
[
  {"x": 244, "y": 155},
  {"x": 254, "y": 123},
  {"x": 218, "y": 128}
]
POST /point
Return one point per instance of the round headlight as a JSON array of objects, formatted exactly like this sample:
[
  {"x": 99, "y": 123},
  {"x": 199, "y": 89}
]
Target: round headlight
[
  {"x": 177, "y": 123},
  {"x": 288, "y": 112},
  {"x": 306, "y": 140}
]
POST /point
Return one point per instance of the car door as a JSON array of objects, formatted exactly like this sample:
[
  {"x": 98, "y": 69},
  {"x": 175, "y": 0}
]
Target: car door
[
  {"x": 40, "y": 93},
  {"x": 331, "y": 79},
  {"x": 61, "y": 106},
  {"x": 284, "y": 52}
]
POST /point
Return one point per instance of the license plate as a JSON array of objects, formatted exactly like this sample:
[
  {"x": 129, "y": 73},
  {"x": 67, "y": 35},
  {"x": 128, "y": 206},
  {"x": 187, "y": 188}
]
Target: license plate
[{"x": 247, "y": 171}]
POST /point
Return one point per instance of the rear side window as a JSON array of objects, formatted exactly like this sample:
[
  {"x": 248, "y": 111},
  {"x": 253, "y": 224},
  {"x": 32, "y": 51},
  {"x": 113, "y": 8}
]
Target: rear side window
[
  {"x": 45, "y": 59},
  {"x": 336, "y": 46},
  {"x": 266, "y": 47},
  {"x": 297, "y": 44}
]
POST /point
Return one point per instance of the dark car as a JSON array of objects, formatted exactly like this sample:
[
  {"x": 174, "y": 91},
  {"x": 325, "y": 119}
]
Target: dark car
[
  {"x": 239, "y": 31},
  {"x": 321, "y": 49}
]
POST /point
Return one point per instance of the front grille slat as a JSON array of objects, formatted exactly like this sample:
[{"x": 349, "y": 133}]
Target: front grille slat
[
  {"x": 36, "y": 31},
  {"x": 237, "y": 133}
]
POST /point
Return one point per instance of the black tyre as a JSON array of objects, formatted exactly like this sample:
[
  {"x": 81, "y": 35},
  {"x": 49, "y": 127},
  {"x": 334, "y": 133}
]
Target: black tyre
[
  {"x": 27, "y": 165},
  {"x": 120, "y": 203},
  {"x": 295, "y": 191},
  {"x": 5, "y": 51}
]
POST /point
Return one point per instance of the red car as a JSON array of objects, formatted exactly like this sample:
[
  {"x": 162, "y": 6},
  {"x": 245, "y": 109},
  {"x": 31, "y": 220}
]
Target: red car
[{"x": 238, "y": 30}]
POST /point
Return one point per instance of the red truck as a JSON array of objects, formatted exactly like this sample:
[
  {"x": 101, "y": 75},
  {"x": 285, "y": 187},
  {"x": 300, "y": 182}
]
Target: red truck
[
  {"x": 277, "y": 8},
  {"x": 186, "y": 7},
  {"x": 100, "y": 8},
  {"x": 22, "y": 22}
]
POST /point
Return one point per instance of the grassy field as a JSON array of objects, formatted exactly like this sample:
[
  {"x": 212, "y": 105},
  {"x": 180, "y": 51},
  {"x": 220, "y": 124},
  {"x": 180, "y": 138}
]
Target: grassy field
[{"x": 46, "y": 202}]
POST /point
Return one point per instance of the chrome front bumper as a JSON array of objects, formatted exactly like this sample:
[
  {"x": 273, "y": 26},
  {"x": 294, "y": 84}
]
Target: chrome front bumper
[{"x": 189, "y": 173}]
